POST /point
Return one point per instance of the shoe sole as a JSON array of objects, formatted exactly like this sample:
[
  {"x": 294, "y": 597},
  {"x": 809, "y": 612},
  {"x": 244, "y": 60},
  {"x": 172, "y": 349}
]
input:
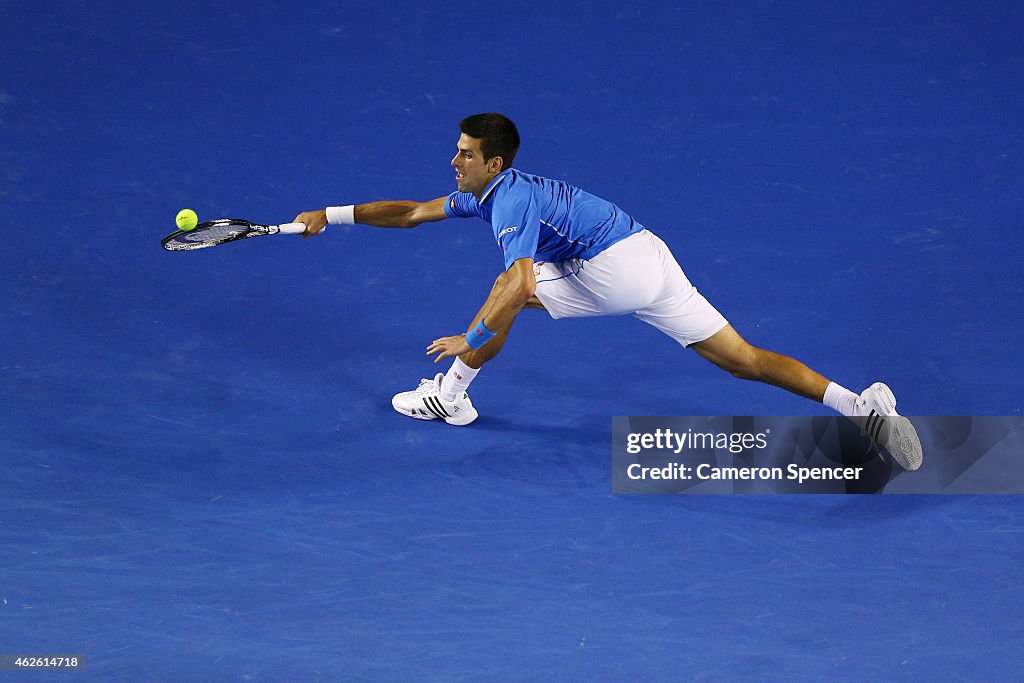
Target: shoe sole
[
  {"x": 904, "y": 444},
  {"x": 462, "y": 421}
]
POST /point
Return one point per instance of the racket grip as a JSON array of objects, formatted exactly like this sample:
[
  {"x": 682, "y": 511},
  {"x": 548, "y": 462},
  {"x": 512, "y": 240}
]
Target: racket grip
[{"x": 292, "y": 228}]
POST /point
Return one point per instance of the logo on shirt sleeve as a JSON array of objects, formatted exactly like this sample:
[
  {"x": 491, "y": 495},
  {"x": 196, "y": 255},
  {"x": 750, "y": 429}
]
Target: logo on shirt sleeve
[{"x": 506, "y": 231}]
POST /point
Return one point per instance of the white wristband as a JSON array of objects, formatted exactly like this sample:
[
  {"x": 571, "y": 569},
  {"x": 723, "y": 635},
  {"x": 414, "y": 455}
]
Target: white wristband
[{"x": 344, "y": 215}]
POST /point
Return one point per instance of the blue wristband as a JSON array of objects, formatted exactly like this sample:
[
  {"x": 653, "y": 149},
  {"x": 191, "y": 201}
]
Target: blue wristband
[{"x": 479, "y": 335}]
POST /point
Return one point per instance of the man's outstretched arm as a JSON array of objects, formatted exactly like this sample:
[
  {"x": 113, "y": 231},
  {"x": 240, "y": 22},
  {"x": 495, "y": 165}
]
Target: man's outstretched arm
[
  {"x": 389, "y": 214},
  {"x": 511, "y": 292}
]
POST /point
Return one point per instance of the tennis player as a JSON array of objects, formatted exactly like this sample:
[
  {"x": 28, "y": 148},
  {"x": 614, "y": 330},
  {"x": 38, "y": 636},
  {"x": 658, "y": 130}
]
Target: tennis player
[{"x": 574, "y": 254}]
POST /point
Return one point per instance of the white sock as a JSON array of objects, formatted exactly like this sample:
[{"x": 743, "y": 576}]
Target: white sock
[
  {"x": 456, "y": 380},
  {"x": 840, "y": 399}
]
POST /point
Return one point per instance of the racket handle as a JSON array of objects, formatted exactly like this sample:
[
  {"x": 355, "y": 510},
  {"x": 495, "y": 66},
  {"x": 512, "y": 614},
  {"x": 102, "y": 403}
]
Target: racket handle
[{"x": 292, "y": 228}]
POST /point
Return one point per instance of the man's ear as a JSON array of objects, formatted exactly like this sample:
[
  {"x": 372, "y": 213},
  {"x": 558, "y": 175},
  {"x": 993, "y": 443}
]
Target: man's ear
[{"x": 496, "y": 164}]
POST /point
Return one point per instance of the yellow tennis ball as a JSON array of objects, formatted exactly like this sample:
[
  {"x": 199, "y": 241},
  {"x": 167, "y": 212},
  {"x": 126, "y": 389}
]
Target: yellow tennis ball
[{"x": 186, "y": 219}]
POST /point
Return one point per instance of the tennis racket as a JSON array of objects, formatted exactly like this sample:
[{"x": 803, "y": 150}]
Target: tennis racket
[{"x": 224, "y": 230}]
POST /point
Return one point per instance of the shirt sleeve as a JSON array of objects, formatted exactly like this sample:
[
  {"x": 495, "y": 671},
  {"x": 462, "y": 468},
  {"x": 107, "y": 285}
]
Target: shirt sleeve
[
  {"x": 461, "y": 205},
  {"x": 517, "y": 229}
]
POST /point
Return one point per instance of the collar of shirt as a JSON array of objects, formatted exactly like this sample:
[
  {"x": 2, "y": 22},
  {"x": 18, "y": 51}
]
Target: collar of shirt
[{"x": 494, "y": 183}]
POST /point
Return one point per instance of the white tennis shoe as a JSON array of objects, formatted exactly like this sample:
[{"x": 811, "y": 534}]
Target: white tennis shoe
[
  {"x": 425, "y": 403},
  {"x": 888, "y": 429}
]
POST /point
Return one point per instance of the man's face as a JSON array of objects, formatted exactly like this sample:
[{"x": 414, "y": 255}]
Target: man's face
[{"x": 471, "y": 172}]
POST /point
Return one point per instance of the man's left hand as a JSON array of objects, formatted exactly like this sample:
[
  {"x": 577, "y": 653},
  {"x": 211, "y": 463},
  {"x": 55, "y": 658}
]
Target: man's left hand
[{"x": 448, "y": 346}]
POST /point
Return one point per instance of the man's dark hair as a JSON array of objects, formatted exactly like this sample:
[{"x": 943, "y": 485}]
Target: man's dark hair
[{"x": 497, "y": 134}]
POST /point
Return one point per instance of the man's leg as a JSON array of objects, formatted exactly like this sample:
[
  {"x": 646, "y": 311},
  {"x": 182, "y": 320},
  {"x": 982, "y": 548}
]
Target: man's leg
[
  {"x": 729, "y": 351},
  {"x": 874, "y": 411}
]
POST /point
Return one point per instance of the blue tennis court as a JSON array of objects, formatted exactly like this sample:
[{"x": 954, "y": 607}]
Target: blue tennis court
[{"x": 203, "y": 475}]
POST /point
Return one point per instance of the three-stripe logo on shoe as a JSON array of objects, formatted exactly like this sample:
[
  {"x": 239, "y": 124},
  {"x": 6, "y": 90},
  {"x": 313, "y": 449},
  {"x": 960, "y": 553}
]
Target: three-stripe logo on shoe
[
  {"x": 435, "y": 406},
  {"x": 874, "y": 425}
]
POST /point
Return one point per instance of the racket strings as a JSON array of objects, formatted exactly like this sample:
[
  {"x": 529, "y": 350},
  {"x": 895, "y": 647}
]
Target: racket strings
[{"x": 214, "y": 233}]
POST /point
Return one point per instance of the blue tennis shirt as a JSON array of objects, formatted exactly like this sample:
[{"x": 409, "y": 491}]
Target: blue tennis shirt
[{"x": 544, "y": 219}]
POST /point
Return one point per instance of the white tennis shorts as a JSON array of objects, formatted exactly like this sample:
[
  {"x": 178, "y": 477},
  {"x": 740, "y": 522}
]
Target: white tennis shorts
[{"x": 638, "y": 275}]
